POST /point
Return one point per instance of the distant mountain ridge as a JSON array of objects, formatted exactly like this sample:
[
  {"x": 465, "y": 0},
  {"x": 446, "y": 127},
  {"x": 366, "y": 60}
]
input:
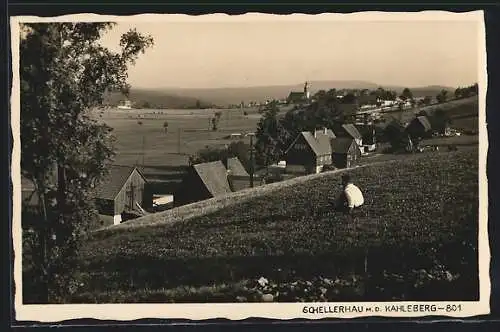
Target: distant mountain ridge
[
  {"x": 188, "y": 97},
  {"x": 146, "y": 98}
]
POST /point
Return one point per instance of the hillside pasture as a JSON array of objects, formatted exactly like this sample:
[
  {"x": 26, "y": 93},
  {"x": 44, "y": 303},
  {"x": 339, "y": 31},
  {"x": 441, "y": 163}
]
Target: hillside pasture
[
  {"x": 417, "y": 235},
  {"x": 464, "y": 113}
]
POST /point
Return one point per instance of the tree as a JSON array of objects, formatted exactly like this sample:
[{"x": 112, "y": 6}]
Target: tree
[
  {"x": 320, "y": 94},
  {"x": 380, "y": 92},
  {"x": 413, "y": 102},
  {"x": 215, "y": 120},
  {"x": 269, "y": 136},
  {"x": 442, "y": 96},
  {"x": 390, "y": 95},
  {"x": 65, "y": 73},
  {"x": 332, "y": 92},
  {"x": 407, "y": 94},
  {"x": 349, "y": 98},
  {"x": 475, "y": 89},
  {"x": 440, "y": 120}
]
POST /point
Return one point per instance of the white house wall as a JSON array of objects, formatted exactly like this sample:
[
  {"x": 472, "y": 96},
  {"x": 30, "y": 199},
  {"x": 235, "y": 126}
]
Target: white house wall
[{"x": 117, "y": 219}]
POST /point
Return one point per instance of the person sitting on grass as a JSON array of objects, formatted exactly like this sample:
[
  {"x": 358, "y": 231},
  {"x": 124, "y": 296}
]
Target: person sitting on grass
[{"x": 351, "y": 198}]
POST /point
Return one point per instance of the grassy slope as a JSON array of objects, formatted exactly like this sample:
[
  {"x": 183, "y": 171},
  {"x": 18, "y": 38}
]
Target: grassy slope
[
  {"x": 420, "y": 213},
  {"x": 464, "y": 113}
]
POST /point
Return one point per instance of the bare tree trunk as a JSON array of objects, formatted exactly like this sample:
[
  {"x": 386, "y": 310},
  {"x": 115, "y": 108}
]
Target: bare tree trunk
[
  {"x": 61, "y": 190},
  {"x": 42, "y": 238}
]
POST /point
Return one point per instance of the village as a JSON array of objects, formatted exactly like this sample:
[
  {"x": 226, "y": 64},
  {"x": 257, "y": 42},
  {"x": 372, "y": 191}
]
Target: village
[{"x": 125, "y": 193}]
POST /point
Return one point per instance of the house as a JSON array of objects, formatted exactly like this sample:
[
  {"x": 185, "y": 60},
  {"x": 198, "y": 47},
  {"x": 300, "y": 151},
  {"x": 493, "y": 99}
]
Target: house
[
  {"x": 350, "y": 130},
  {"x": 123, "y": 191},
  {"x": 395, "y": 133},
  {"x": 309, "y": 152},
  {"x": 345, "y": 152},
  {"x": 202, "y": 181},
  {"x": 237, "y": 175},
  {"x": 419, "y": 127}
]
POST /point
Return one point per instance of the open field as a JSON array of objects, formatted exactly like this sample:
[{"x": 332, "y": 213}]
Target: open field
[
  {"x": 150, "y": 142},
  {"x": 422, "y": 209}
]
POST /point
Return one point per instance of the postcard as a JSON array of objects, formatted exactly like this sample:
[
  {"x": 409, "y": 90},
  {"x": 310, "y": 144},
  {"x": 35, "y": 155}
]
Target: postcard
[{"x": 249, "y": 166}]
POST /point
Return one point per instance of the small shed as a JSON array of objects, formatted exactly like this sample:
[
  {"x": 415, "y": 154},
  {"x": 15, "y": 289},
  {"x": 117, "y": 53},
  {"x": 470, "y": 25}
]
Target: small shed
[
  {"x": 419, "y": 127},
  {"x": 123, "y": 191},
  {"x": 202, "y": 181},
  {"x": 345, "y": 152},
  {"x": 309, "y": 152}
]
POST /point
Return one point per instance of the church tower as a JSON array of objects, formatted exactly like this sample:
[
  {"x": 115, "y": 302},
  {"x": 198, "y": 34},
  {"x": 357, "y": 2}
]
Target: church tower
[{"x": 307, "y": 94}]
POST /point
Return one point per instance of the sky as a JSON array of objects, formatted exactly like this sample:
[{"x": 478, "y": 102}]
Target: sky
[{"x": 201, "y": 54}]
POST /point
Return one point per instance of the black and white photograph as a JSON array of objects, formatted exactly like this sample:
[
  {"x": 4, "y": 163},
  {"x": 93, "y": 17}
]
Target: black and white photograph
[{"x": 256, "y": 165}]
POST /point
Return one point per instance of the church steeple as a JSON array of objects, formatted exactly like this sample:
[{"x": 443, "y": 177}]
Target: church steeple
[{"x": 306, "y": 90}]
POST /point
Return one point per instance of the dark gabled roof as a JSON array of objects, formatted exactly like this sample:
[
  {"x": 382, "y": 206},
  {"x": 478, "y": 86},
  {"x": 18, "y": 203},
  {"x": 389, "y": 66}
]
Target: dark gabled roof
[
  {"x": 214, "y": 177},
  {"x": 114, "y": 181},
  {"x": 341, "y": 144},
  {"x": 236, "y": 168},
  {"x": 319, "y": 144},
  {"x": 352, "y": 131},
  {"x": 424, "y": 122},
  {"x": 295, "y": 94}
]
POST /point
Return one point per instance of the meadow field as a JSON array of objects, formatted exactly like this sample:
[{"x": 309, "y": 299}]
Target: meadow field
[
  {"x": 141, "y": 136},
  {"x": 416, "y": 239}
]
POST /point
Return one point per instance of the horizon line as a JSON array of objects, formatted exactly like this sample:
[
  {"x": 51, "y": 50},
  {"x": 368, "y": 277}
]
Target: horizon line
[{"x": 310, "y": 81}]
